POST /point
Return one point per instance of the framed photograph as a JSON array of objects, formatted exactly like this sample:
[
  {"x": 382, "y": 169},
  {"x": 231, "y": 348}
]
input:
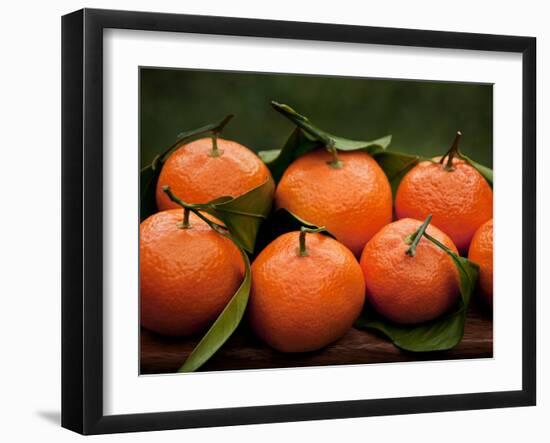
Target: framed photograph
[{"x": 269, "y": 221}]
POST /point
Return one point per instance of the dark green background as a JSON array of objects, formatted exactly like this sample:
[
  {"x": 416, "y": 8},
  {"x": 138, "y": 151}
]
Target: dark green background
[{"x": 422, "y": 116}]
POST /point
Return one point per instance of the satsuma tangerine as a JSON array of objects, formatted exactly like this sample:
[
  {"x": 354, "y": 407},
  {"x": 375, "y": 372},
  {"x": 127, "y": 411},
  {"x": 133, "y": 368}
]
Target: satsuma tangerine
[
  {"x": 197, "y": 175},
  {"x": 409, "y": 289},
  {"x": 302, "y": 302},
  {"x": 481, "y": 252},
  {"x": 454, "y": 192},
  {"x": 187, "y": 275},
  {"x": 352, "y": 201}
]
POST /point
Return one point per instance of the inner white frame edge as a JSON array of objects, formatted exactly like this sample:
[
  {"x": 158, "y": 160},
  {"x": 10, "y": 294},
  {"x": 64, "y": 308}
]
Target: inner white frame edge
[{"x": 126, "y": 392}]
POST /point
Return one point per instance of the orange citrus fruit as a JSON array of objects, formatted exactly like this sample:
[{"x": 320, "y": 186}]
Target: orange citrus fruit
[
  {"x": 456, "y": 194},
  {"x": 408, "y": 289},
  {"x": 302, "y": 303},
  {"x": 187, "y": 275},
  {"x": 196, "y": 176},
  {"x": 353, "y": 202},
  {"x": 481, "y": 252}
]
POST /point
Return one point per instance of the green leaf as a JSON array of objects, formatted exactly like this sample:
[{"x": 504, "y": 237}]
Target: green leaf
[
  {"x": 280, "y": 222},
  {"x": 223, "y": 327},
  {"x": 396, "y": 165},
  {"x": 149, "y": 174},
  {"x": 327, "y": 139},
  {"x": 307, "y": 137},
  {"x": 243, "y": 215},
  {"x": 437, "y": 335},
  {"x": 486, "y": 172},
  {"x": 269, "y": 155},
  {"x": 372, "y": 146},
  {"x": 215, "y": 127},
  {"x": 297, "y": 144}
]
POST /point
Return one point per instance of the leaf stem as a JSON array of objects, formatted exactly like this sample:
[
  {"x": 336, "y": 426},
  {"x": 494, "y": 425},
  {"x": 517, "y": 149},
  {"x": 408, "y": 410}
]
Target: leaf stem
[
  {"x": 302, "y": 250},
  {"x": 415, "y": 237},
  {"x": 439, "y": 244},
  {"x": 451, "y": 153},
  {"x": 187, "y": 208}
]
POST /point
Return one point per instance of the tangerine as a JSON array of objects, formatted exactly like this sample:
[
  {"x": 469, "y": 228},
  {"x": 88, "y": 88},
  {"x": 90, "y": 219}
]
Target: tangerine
[
  {"x": 454, "y": 192},
  {"x": 409, "y": 289},
  {"x": 187, "y": 274},
  {"x": 352, "y": 201},
  {"x": 302, "y": 298},
  {"x": 481, "y": 252},
  {"x": 198, "y": 173}
]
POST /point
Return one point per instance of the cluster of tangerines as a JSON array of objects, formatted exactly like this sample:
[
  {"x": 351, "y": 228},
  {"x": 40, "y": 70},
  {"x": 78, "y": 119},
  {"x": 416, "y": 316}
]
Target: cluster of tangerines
[{"x": 308, "y": 288}]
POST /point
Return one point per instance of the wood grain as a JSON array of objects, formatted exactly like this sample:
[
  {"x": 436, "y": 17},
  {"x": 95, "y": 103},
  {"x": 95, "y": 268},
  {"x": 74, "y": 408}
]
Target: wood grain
[{"x": 244, "y": 351}]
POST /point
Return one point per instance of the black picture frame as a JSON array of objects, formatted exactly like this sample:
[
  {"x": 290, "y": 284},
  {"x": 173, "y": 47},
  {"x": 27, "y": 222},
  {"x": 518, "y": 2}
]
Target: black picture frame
[{"x": 82, "y": 218}]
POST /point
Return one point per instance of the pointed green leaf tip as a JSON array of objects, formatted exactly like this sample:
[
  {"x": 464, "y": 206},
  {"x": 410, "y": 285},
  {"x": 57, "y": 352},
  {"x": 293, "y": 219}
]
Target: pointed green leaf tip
[{"x": 287, "y": 110}]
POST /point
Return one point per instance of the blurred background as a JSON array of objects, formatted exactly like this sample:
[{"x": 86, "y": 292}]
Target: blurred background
[{"x": 422, "y": 116}]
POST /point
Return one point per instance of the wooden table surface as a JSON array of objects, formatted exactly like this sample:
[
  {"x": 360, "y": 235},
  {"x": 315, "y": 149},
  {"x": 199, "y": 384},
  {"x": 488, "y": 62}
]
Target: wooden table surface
[{"x": 244, "y": 351}]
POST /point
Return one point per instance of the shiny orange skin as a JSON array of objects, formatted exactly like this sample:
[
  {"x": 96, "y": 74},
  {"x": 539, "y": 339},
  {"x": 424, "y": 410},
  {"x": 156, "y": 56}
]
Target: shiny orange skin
[
  {"x": 481, "y": 252},
  {"x": 409, "y": 289},
  {"x": 300, "y": 304},
  {"x": 197, "y": 177},
  {"x": 353, "y": 202},
  {"x": 187, "y": 276},
  {"x": 460, "y": 200}
]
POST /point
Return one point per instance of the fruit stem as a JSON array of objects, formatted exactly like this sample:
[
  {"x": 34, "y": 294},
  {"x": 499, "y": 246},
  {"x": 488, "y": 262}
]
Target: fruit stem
[
  {"x": 187, "y": 208},
  {"x": 215, "y": 132},
  {"x": 215, "y": 152},
  {"x": 415, "y": 237},
  {"x": 185, "y": 223},
  {"x": 302, "y": 251},
  {"x": 451, "y": 153},
  {"x": 335, "y": 163}
]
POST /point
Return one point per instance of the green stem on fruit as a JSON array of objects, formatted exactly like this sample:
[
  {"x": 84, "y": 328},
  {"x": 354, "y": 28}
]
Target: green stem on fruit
[
  {"x": 415, "y": 237},
  {"x": 215, "y": 132},
  {"x": 302, "y": 250},
  {"x": 335, "y": 163},
  {"x": 451, "y": 153},
  {"x": 186, "y": 136},
  {"x": 185, "y": 223},
  {"x": 188, "y": 208},
  {"x": 216, "y": 151}
]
